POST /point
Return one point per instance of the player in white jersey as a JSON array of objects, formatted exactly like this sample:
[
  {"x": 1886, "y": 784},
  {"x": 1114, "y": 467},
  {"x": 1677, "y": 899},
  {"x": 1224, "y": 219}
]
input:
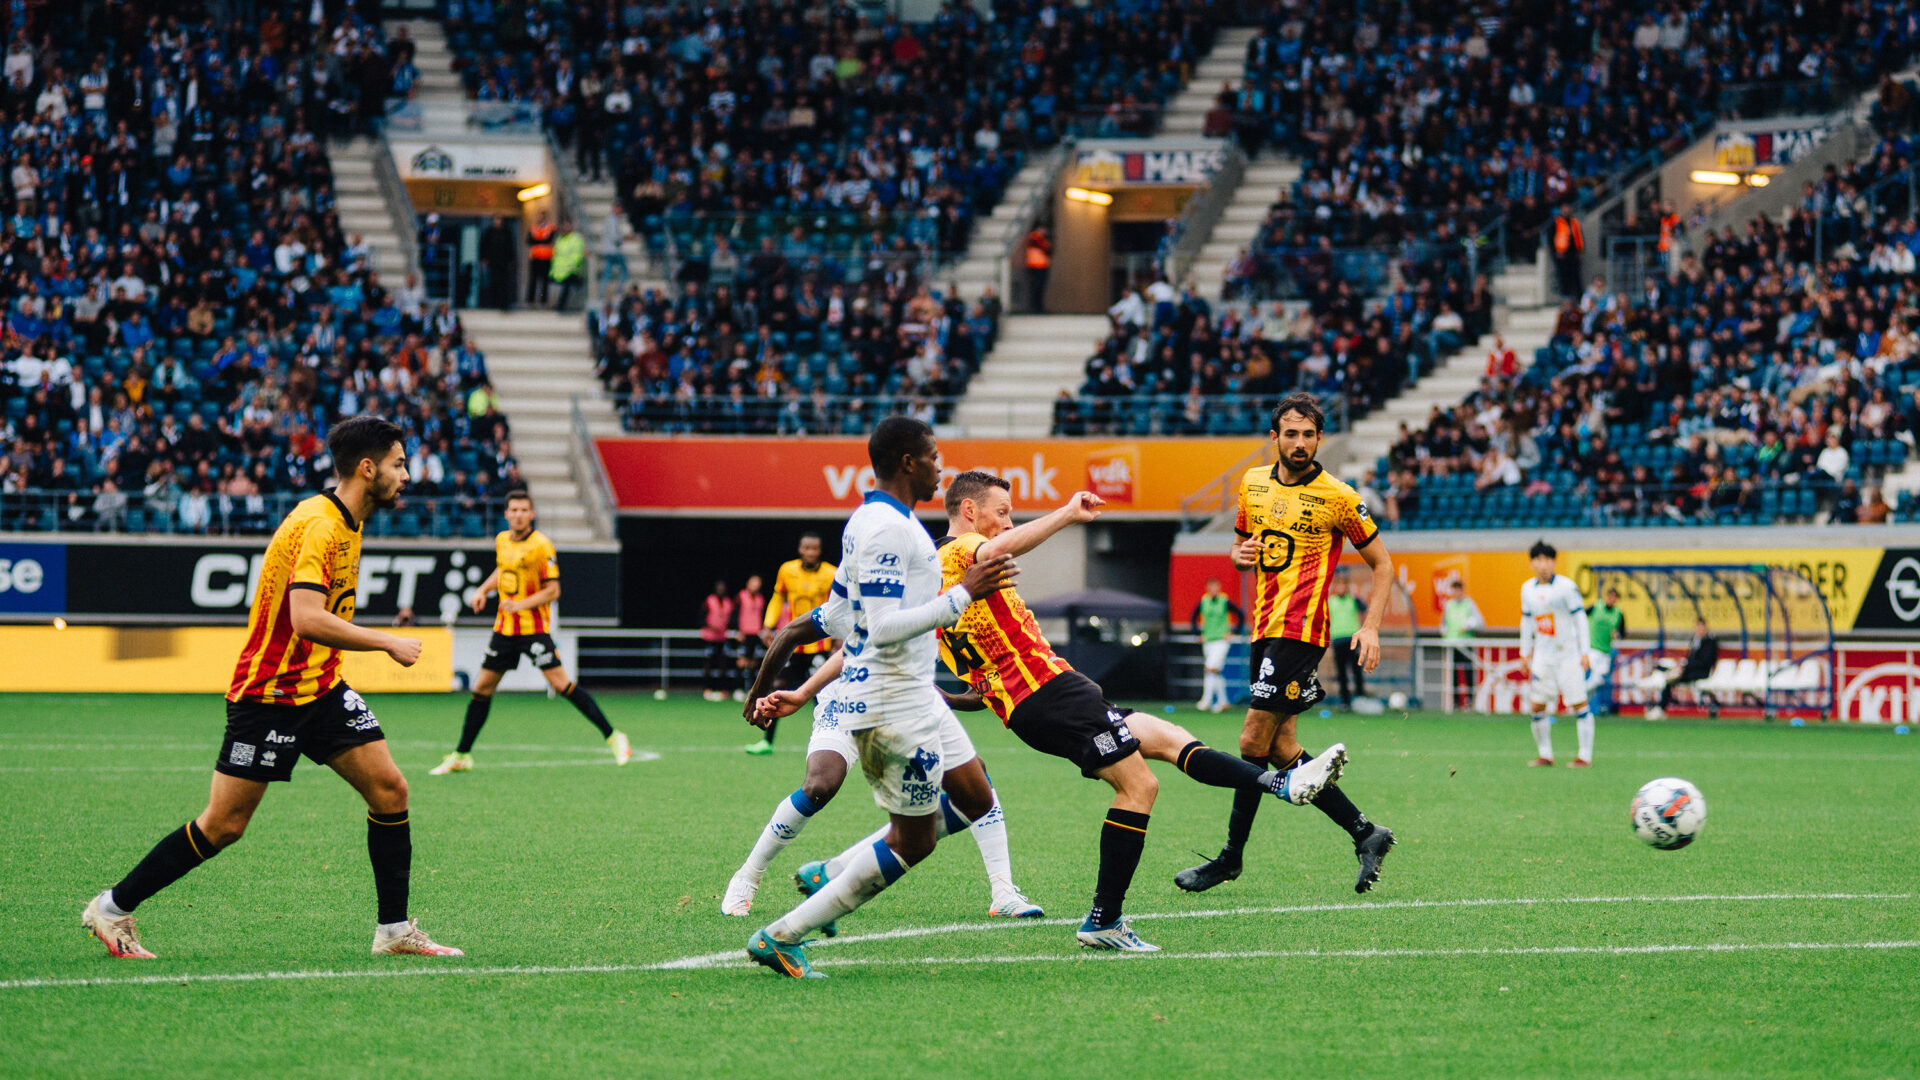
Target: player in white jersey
[
  {"x": 895, "y": 604},
  {"x": 1553, "y": 646},
  {"x": 968, "y": 802}
]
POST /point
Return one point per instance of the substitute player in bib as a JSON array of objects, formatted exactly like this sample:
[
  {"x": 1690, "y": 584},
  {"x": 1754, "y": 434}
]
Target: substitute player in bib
[
  {"x": 1553, "y": 647},
  {"x": 1292, "y": 522},
  {"x": 1211, "y": 616},
  {"x": 894, "y": 605},
  {"x": 526, "y": 574},
  {"x": 802, "y": 585},
  {"x": 287, "y": 699},
  {"x": 998, "y": 648}
]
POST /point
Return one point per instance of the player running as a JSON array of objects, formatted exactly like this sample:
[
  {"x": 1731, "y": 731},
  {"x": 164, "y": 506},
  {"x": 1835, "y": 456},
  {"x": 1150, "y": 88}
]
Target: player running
[
  {"x": 802, "y": 585},
  {"x": 1211, "y": 617},
  {"x": 1293, "y": 519},
  {"x": 1553, "y": 649},
  {"x": 526, "y": 574},
  {"x": 897, "y": 717},
  {"x": 287, "y": 699}
]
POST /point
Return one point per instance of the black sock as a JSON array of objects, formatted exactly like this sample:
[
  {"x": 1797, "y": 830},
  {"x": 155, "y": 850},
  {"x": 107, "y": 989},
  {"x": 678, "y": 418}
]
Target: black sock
[
  {"x": 1334, "y": 803},
  {"x": 177, "y": 852},
  {"x": 1246, "y": 804},
  {"x": 771, "y": 728},
  {"x": 1210, "y": 766},
  {"x": 390, "y": 849},
  {"x": 477, "y": 707},
  {"x": 1122, "y": 839},
  {"x": 588, "y": 707}
]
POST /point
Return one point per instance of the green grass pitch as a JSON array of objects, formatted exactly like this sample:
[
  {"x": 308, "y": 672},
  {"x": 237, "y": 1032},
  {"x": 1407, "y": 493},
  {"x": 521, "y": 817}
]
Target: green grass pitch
[{"x": 1786, "y": 942}]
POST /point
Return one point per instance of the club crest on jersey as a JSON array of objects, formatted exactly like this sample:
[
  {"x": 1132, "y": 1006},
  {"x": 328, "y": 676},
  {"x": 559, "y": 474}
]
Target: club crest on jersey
[{"x": 1293, "y": 690}]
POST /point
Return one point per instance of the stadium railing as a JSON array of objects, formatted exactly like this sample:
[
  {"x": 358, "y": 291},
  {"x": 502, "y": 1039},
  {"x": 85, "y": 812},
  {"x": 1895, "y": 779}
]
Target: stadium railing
[
  {"x": 1554, "y": 498},
  {"x": 55, "y": 511},
  {"x": 589, "y": 473},
  {"x": 1202, "y": 213}
]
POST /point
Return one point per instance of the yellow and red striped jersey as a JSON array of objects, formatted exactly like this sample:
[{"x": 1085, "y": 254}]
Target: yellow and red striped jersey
[
  {"x": 1300, "y": 527},
  {"x": 317, "y": 547},
  {"x": 996, "y": 646},
  {"x": 525, "y": 567},
  {"x": 796, "y": 592}
]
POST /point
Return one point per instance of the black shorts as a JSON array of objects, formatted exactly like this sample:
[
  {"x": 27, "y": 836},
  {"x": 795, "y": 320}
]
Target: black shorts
[
  {"x": 263, "y": 740},
  {"x": 750, "y": 651},
  {"x": 504, "y": 651},
  {"x": 799, "y": 667},
  {"x": 1285, "y": 675},
  {"x": 1071, "y": 718}
]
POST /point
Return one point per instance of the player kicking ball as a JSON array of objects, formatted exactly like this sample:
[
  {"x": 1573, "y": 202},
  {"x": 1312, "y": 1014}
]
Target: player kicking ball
[
  {"x": 1292, "y": 521},
  {"x": 1553, "y": 647},
  {"x": 896, "y": 715},
  {"x": 526, "y": 574},
  {"x": 287, "y": 699}
]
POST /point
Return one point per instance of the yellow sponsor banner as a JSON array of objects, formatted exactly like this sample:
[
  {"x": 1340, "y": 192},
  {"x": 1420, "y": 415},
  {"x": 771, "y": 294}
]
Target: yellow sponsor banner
[
  {"x": 186, "y": 660},
  {"x": 1493, "y": 578}
]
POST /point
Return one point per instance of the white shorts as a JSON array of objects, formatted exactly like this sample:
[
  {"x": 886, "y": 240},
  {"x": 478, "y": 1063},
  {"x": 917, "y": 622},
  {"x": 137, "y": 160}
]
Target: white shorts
[
  {"x": 1215, "y": 654},
  {"x": 956, "y": 746},
  {"x": 904, "y": 766},
  {"x": 1557, "y": 678}
]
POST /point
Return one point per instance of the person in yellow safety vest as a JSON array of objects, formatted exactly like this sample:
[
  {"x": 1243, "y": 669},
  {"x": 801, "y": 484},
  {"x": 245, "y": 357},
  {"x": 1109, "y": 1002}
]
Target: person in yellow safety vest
[
  {"x": 569, "y": 263},
  {"x": 1039, "y": 262},
  {"x": 539, "y": 258},
  {"x": 1568, "y": 245}
]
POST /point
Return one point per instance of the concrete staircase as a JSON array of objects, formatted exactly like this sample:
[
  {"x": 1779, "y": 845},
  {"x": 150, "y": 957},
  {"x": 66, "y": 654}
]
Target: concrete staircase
[
  {"x": 987, "y": 251},
  {"x": 439, "y": 93},
  {"x": 596, "y": 202},
  {"x": 1186, "y": 114},
  {"x": 1525, "y": 330},
  {"x": 1036, "y": 357},
  {"x": 1264, "y": 183},
  {"x": 538, "y": 361},
  {"x": 364, "y": 210}
]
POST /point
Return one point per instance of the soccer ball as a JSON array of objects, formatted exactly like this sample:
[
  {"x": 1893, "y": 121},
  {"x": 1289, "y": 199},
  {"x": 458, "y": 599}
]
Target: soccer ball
[
  {"x": 1397, "y": 700},
  {"x": 1668, "y": 813}
]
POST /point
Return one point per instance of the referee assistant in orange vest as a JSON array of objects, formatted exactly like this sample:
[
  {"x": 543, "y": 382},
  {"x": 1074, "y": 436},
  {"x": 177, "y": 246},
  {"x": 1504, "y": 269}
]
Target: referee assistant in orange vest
[
  {"x": 1039, "y": 262},
  {"x": 540, "y": 258},
  {"x": 1568, "y": 244}
]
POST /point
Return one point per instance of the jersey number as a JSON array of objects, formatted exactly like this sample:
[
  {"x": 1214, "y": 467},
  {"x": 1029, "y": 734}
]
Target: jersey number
[
  {"x": 965, "y": 656},
  {"x": 1276, "y": 550}
]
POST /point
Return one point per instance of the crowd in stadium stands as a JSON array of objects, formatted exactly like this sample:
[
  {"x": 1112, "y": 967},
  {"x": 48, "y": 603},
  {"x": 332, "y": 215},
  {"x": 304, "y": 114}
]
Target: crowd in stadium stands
[
  {"x": 803, "y": 128},
  {"x": 1762, "y": 379},
  {"x": 1425, "y": 126},
  {"x": 822, "y": 357},
  {"x": 184, "y": 315},
  {"x": 1172, "y": 366}
]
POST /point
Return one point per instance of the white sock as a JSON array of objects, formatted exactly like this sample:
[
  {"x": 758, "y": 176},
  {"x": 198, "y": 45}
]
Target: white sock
[
  {"x": 990, "y": 832},
  {"x": 1543, "y": 735},
  {"x": 943, "y": 823},
  {"x": 393, "y": 929},
  {"x": 1584, "y": 725},
  {"x": 788, "y": 819},
  {"x": 865, "y": 874},
  {"x": 110, "y": 909}
]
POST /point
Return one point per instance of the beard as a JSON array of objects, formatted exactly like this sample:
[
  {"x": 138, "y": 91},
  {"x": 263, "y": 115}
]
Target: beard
[{"x": 391, "y": 499}]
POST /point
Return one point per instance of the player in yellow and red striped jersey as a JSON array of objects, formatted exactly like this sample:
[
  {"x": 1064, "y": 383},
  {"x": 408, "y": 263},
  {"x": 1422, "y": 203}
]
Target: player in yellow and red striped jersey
[
  {"x": 997, "y": 647},
  {"x": 526, "y": 574},
  {"x": 287, "y": 699},
  {"x": 1293, "y": 521}
]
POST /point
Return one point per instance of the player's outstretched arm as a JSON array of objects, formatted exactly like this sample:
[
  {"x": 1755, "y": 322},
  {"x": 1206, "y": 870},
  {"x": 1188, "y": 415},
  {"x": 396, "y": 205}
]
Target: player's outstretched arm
[
  {"x": 1083, "y": 507},
  {"x": 307, "y": 610},
  {"x": 1367, "y": 640},
  {"x": 764, "y": 711},
  {"x": 795, "y": 634},
  {"x": 970, "y": 701}
]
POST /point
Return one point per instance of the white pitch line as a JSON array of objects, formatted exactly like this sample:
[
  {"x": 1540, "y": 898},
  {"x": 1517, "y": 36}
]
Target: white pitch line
[
  {"x": 708, "y": 959},
  {"x": 1040, "y": 958}
]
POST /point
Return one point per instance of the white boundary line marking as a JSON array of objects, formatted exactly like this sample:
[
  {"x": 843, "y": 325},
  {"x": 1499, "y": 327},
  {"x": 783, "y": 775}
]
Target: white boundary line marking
[
  {"x": 733, "y": 959},
  {"x": 742, "y": 964},
  {"x": 638, "y": 755}
]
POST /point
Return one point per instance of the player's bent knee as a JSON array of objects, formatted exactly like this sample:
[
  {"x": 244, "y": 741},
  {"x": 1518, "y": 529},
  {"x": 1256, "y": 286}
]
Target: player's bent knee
[{"x": 388, "y": 794}]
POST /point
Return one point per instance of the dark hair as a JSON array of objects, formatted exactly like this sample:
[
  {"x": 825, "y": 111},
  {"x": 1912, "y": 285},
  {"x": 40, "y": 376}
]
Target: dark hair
[
  {"x": 971, "y": 485},
  {"x": 519, "y": 493},
  {"x": 894, "y": 438},
  {"x": 358, "y": 438},
  {"x": 1541, "y": 547},
  {"x": 1303, "y": 403},
  {"x": 809, "y": 535}
]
